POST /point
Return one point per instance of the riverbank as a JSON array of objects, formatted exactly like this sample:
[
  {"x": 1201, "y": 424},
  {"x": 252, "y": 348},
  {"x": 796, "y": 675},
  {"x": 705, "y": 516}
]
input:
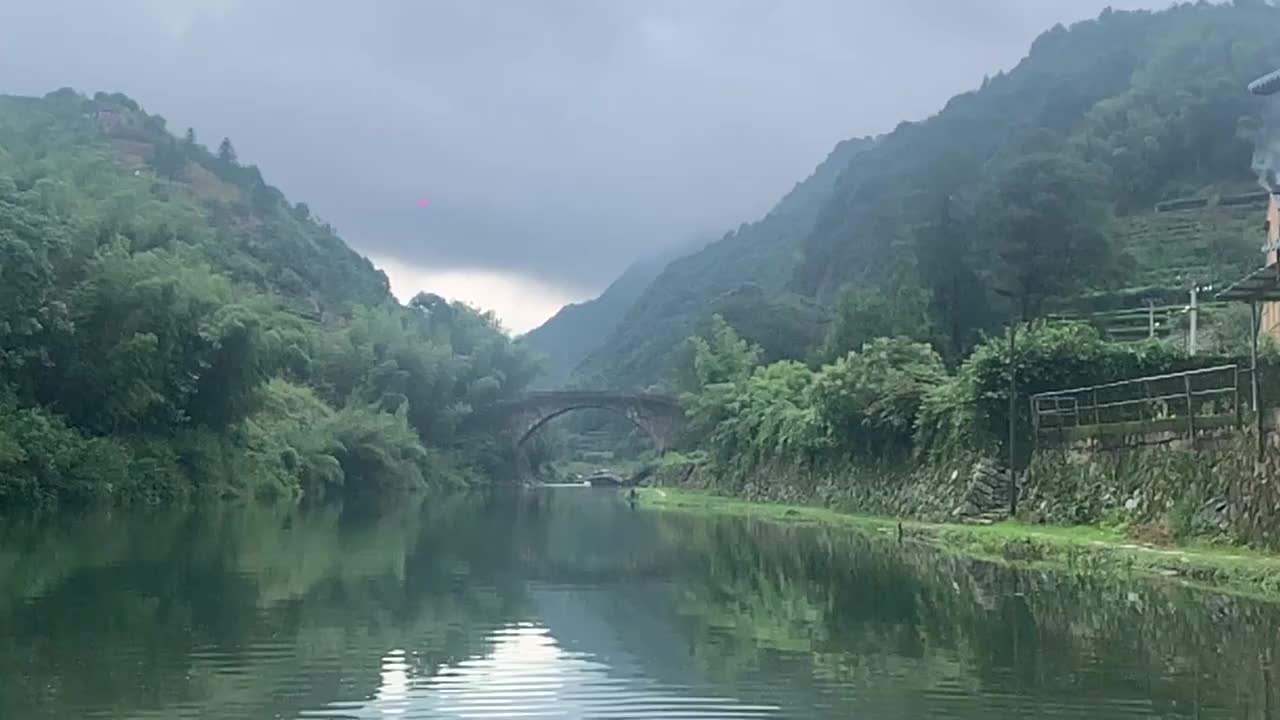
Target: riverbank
[{"x": 1227, "y": 568}]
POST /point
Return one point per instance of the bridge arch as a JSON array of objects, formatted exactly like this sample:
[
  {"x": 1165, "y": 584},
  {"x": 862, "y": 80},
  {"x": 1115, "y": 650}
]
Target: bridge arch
[
  {"x": 658, "y": 442},
  {"x": 660, "y": 416}
]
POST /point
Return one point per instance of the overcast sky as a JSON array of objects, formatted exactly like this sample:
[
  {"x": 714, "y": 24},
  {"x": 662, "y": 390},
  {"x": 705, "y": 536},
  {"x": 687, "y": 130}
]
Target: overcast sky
[{"x": 554, "y": 141}]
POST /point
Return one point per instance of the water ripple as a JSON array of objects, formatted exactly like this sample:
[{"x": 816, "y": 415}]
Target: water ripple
[{"x": 527, "y": 675}]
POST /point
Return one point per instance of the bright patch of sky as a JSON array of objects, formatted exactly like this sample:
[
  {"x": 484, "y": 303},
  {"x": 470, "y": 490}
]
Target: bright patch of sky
[{"x": 521, "y": 302}]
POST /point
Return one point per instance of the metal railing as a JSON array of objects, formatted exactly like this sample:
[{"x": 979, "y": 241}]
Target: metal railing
[{"x": 1216, "y": 392}]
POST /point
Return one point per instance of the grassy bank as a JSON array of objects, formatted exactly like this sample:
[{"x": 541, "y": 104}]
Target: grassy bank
[{"x": 1074, "y": 549}]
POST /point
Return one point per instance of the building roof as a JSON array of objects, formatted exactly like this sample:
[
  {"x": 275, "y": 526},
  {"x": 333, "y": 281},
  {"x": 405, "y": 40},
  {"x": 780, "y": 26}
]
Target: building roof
[
  {"x": 1268, "y": 84},
  {"x": 1261, "y": 285}
]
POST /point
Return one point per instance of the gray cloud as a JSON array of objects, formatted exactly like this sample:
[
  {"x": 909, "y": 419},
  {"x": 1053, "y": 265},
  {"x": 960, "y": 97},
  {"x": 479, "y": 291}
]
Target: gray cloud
[{"x": 555, "y": 139}]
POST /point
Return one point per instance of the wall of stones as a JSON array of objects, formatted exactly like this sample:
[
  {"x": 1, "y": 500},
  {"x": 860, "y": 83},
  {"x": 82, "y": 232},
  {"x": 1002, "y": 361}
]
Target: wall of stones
[{"x": 1179, "y": 487}]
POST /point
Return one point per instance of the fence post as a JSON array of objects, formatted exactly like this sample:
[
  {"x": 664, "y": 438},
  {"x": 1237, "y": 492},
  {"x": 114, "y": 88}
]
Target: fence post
[
  {"x": 1262, "y": 438},
  {"x": 1035, "y": 424},
  {"x": 1239, "y": 410},
  {"x": 1253, "y": 376},
  {"x": 1093, "y": 398},
  {"x": 1253, "y": 357},
  {"x": 1195, "y": 318},
  {"x": 1191, "y": 410},
  {"x": 1013, "y": 406}
]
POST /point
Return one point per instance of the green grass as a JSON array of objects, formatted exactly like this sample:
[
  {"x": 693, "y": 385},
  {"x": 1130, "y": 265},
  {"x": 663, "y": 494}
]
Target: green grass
[{"x": 1227, "y": 568}]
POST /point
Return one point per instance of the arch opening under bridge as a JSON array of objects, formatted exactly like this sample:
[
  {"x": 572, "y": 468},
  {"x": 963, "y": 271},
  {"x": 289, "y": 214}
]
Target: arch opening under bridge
[{"x": 659, "y": 416}]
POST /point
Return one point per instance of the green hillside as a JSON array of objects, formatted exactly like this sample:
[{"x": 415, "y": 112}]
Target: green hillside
[
  {"x": 578, "y": 328},
  {"x": 1016, "y": 199},
  {"x": 1211, "y": 245},
  {"x": 743, "y": 274},
  {"x": 170, "y": 324}
]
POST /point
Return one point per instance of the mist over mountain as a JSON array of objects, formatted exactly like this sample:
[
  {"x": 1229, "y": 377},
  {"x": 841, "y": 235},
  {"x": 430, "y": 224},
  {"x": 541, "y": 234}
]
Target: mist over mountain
[
  {"x": 566, "y": 338},
  {"x": 917, "y": 233}
]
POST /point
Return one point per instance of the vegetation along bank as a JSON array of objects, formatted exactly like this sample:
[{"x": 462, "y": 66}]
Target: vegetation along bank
[
  {"x": 171, "y": 326},
  {"x": 965, "y": 263}
]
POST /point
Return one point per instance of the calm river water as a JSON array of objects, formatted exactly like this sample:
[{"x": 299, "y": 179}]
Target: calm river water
[{"x": 567, "y": 603}]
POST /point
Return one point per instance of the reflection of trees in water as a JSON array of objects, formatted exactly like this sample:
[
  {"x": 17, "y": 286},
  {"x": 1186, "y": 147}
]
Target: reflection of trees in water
[
  {"x": 581, "y": 535},
  {"x": 865, "y": 613},
  {"x": 251, "y": 610},
  {"x": 259, "y": 611}
]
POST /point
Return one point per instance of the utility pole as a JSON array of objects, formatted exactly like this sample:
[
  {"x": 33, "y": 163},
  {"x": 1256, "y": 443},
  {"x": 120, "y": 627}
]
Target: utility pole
[
  {"x": 1013, "y": 423},
  {"x": 1195, "y": 320},
  {"x": 1253, "y": 357},
  {"x": 1015, "y": 318}
]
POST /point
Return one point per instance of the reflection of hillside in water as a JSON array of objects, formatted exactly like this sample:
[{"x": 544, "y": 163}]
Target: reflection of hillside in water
[
  {"x": 573, "y": 601},
  {"x": 582, "y": 535},
  {"x": 907, "y": 631},
  {"x": 816, "y": 618},
  {"x": 255, "y": 612}
]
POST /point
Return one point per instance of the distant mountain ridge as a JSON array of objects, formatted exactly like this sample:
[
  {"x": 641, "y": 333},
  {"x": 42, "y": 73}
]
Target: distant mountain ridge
[
  {"x": 746, "y": 271},
  {"x": 578, "y": 328},
  {"x": 1152, "y": 103}
]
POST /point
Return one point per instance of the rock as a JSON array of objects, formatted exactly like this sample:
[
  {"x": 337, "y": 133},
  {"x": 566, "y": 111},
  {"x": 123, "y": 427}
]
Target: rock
[
  {"x": 986, "y": 469},
  {"x": 967, "y": 508},
  {"x": 1215, "y": 513}
]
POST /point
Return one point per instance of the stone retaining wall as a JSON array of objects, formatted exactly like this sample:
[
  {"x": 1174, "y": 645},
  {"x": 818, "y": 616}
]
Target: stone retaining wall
[{"x": 1211, "y": 483}]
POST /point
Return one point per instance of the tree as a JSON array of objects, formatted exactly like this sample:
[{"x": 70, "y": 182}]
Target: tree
[
  {"x": 943, "y": 238},
  {"x": 167, "y": 158},
  {"x": 866, "y": 313},
  {"x": 722, "y": 356},
  {"x": 227, "y": 153},
  {"x": 150, "y": 345},
  {"x": 1043, "y": 219},
  {"x": 869, "y": 400},
  {"x": 264, "y": 197}
]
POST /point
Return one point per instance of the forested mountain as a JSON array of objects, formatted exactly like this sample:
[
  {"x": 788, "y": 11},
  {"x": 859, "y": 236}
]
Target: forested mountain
[
  {"x": 578, "y": 328},
  {"x": 171, "y": 324},
  {"x": 744, "y": 274},
  {"x": 1018, "y": 198}
]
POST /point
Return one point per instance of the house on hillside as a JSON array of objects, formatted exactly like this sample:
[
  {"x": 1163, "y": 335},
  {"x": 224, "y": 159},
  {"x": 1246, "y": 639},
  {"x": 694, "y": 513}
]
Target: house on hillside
[
  {"x": 1271, "y": 310},
  {"x": 107, "y": 120},
  {"x": 1261, "y": 288}
]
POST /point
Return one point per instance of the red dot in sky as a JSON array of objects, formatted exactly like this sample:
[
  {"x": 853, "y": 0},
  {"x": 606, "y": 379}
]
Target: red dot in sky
[{"x": 422, "y": 202}]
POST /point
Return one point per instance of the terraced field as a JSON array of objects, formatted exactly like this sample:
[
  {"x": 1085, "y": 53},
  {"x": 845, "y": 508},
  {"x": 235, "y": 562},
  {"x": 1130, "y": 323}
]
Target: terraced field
[{"x": 1207, "y": 242}]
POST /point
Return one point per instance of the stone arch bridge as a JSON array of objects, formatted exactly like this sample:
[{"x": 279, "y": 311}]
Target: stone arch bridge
[{"x": 660, "y": 416}]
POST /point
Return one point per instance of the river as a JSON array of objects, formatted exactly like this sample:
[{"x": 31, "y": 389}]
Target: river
[{"x": 568, "y": 603}]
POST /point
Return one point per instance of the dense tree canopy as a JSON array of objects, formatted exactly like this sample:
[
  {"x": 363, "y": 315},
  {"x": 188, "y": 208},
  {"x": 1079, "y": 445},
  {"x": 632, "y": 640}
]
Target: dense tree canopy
[
  {"x": 1045, "y": 220},
  {"x": 892, "y": 403},
  {"x": 170, "y": 324}
]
